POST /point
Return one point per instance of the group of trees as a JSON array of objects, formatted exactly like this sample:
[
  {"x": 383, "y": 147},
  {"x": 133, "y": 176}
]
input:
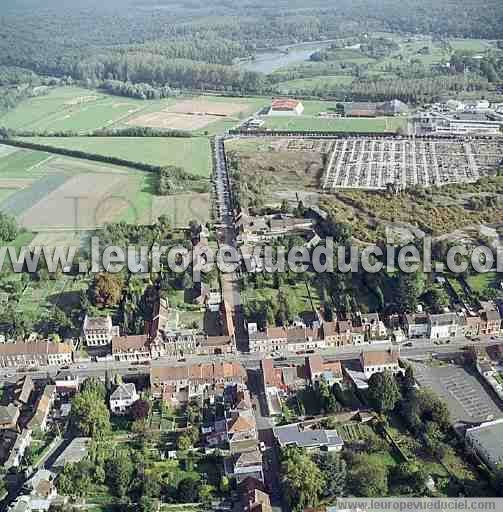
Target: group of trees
[
  {"x": 89, "y": 415},
  {"x": 489, "y": 66},
  {"x": 132, "y": 53},
  {"x": 416, "y": 90},
  {"x": 138, "y": 90},
  {"x": 171, "y": 179},
  {"x": 8, "y": 228},
  {"x": 308, "y": 479}
]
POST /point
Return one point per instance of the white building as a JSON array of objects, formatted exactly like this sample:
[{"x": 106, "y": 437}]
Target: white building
[
  {"x": 379, "y": 361},
  {"x": 123, "y": 398},
  {"x": 458, "y": 124},
  {"x": 417, "y": 325},
  {"x": 443, "y": 326},
  {"x": 22, "y": 442},
  {"x": 99, "y": 331},
  {"x": 486, "y": 441}
]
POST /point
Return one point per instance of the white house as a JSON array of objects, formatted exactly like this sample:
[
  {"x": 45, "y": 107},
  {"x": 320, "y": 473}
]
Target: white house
[
  {"x": 123, "y": 398},
  {"x": 99, "y": 331},
  {"x": 485, "y": 440},
  {"x": 379, "y": 361},
  {"x": 417, "y": 325},
  {"x": 443, "y": 325}
]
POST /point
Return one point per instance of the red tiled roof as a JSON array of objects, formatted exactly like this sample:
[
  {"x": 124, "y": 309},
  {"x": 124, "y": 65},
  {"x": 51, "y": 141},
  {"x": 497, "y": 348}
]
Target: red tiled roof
[{"x": 284, "y": 104}]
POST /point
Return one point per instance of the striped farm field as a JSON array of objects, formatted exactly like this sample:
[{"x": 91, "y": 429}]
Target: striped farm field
[{"x": 51, "y": 192}]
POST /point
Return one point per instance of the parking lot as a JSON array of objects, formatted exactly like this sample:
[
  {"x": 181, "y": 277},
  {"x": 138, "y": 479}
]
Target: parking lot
[{"x": 465, "y": 396}]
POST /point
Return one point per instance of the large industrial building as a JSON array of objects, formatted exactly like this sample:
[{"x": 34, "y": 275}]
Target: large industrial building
[{"x": 457, "y": 124}]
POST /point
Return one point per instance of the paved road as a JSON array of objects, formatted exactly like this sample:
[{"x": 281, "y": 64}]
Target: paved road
[
  {"x": 226, "y": 235},
  {"x": 419, "y": 349}
]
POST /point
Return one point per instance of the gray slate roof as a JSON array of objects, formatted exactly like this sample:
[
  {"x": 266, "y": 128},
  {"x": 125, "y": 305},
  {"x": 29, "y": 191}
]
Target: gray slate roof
[
  {"x": 124, "y": 392},
  {"x": 306, "y": 438}
]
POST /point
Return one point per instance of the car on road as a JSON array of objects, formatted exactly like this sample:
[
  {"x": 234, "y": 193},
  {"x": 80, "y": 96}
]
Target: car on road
[
  {"x": 262, "y": 446},
  {"x": 408, "y": 344},
  {"x": 82, "y": 366},
  {"x": 10, "y": 375}
]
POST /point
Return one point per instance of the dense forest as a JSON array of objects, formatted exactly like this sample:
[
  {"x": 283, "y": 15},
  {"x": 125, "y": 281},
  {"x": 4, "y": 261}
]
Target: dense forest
[{"x": 147, "y": 48}]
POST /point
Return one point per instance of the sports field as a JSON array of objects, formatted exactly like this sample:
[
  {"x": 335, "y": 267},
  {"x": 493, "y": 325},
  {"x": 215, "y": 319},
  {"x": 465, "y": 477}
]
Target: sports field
[
  {"x": 71, "y": 109},
  {"x": 307, "y": 123},
  {"x": 192, "y": 154},
  {"x": 83, "y": 110}
]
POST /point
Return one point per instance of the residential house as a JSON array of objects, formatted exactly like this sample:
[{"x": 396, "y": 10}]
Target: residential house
[
  {"x": 215, "y": 345},
  {"x": 317, "y": 369},
  {"x": 226, "y": 313},
  {"x": 67, "y": 382},
  {"x": 254, "y": 497},
  {"x": 35, "y": 354},
  {"x": 271, "y": 377},
  {"x": 174, "y": 343},
  {"x": 358, "y": 335},
  {"x": 470, "y": 325},
  {"x": 43, "y": 408},
  {"x": 9, "y": 416},
  {"x": 131, "y": 348},
  {"x": 490, "y": 322},
  {"x": 378, "y": 361},
  {"x": 24, "y": 389},
  {"x": 344, "y": 331},
  {"x": 416, "y": 325},
  {"x": 302, "y": 436},
  {"x": 444, "y": 325},
  {"x": 42, "y": 490},
  {"x": 22, "y": 442},
  {"x": 286, "y": 339},
  {"x": 485, "y": 440},
  {"x": 98, "y": 331},
  {"x": 242, "y": 432},
  {"x": 180, "y": 383},
  {"x": 244, "y": 465},
  {"x": 160, "y": 319},
  {"x": 314, "y": 367},
  {"x": 374, "y": 327},
  {"x": 123, "y": 397}
]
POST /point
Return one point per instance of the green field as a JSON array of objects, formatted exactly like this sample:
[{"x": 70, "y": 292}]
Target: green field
[
  {"x": 83, "y": 110},
  {"x": 314, "y": 83},
  {"x": 301, "y": 123},
  {"x": 192, "y": 154},
  {"x": 20, "y": 163},
  {"x": 298, "y": 294},
  {"x": 37, "y": 188}
]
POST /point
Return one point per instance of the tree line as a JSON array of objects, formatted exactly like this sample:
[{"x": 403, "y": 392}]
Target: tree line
[{"x": 131, "y": 131}]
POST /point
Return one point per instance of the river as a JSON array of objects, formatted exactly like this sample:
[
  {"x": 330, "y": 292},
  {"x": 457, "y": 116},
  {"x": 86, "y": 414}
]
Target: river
[{"x": 270, "y": 61}]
